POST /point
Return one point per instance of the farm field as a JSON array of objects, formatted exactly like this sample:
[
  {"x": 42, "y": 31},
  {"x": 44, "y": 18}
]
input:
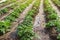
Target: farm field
[{"x": 29, "y": 19}]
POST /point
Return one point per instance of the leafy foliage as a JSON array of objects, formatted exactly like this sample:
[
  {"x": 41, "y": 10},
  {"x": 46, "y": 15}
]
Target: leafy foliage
[
  {"x": 4, "y": 26},
  {"x": 57, "y": 2},
  {"x": 52, "y": 16},
  {"x": 53, "y": 23}
]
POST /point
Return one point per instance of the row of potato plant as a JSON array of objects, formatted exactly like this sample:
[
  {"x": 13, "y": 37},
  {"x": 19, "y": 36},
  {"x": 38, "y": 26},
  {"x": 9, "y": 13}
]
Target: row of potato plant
[
  {"x": 22, "y": 1},
  {"x": 52, "y": 19},
  {"x": 57, "y": 3},
  {"x": 6, "y": 23},
  {"x": 25, "y": 30},
  {"x": 12, "y": 7},
  {"x": 7, "y": 9},
  {"x": 7, "y": 2}
]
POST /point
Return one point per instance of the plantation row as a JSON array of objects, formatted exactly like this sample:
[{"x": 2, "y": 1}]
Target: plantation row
[
  {"x": 7, "y": 9},
  {"x": 7, "y": 3},
  {"x": 52, "y": 20},
  {"x": 57, "y": 3},
  {"x": 11, "y": 14}
]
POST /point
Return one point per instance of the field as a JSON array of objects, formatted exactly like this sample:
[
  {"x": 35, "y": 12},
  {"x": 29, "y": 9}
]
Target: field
[{"x": 29, "y": 19}]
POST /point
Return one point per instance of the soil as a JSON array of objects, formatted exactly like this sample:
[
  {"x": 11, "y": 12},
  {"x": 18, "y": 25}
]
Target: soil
[{"x": 39, "y": 25}]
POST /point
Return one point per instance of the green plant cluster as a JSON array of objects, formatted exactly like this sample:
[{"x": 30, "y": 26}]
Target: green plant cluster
[
  {"x": 57, "y": 2},
  {"x": 4, "y": 11},
  {"x": 4, "y": 27},
  {"x": 25, "y": 30}
]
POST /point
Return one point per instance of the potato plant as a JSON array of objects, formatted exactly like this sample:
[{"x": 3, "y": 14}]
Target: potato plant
[
  {"x": 4, "y": 11},
  {"x": 57, "y": 2},
  {"x": 4, "y": 27}
]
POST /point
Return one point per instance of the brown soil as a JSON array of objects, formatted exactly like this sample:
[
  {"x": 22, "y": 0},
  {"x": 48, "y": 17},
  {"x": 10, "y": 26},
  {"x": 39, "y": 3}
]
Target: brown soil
[{"x": 39, "y": 25}]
